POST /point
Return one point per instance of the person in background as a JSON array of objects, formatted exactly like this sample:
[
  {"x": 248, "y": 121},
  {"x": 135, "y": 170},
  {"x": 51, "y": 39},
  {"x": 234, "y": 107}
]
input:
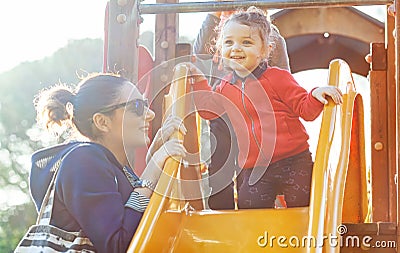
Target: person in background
[
  {"x": 392, "y": 12},
  {"x": 264, "y": 104},
  {"x": 223, "y": 140},
  {"x": 92, "y": 189}
]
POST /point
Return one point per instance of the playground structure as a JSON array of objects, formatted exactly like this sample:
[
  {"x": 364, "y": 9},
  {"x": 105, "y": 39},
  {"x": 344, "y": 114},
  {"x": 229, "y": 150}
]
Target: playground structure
[{"x": 339, "y": 189}]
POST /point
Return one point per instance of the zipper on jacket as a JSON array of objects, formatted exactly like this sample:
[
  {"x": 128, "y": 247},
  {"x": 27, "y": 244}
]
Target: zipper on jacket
[{"x": 252, "y": 120}]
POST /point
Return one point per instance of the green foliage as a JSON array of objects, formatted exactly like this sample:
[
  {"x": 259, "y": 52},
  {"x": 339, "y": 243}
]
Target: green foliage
[
  {"x": 18, "y": 219},
  {"x": 18, "y": 133},
  {"x": 18, "y": 86}
]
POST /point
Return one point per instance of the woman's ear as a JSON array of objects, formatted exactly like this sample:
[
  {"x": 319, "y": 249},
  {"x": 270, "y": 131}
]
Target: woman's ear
[{"x": 101, "y": 122}]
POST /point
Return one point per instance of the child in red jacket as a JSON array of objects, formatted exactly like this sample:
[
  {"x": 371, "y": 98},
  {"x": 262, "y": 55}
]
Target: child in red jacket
[{"x": 264, "y": 105}]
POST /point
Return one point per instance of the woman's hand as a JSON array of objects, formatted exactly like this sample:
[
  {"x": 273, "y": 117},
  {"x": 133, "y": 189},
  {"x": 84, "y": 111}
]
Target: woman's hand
[
  {"x": 155, "y": 165},
  {"x": 333, "y": 92},
  {"x": 172, "y": 147},
  {"x": 171, "y": 124},
  {"x": 162, "y": 147}
]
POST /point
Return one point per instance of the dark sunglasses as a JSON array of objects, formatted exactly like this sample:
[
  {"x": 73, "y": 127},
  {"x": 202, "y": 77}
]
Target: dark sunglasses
[{"x": 137, "y": 106}]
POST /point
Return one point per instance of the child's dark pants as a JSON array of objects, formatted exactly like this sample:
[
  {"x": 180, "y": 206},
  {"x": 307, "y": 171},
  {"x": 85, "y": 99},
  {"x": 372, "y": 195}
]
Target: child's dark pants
[{"x": 290, "y": 177}]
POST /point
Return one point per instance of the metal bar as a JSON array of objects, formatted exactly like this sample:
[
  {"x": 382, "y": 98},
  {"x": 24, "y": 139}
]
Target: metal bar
[{"x": 269, "y": 4}]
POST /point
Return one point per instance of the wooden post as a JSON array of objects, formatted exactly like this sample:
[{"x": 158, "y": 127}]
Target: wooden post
[
  {"x": 379, "y": 134},
  {"x": 166, "y": 35},
  {"x": 123, "y": 35},
  {"x": 391, "y": 116}
]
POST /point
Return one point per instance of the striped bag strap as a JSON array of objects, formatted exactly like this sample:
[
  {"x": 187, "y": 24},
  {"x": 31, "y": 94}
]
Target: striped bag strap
[{"x": 46, "y": 208}]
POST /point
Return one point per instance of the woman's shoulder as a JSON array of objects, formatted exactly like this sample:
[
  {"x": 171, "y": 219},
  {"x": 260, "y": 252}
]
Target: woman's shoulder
[
  {"x": 86, "y": 165},
  {"x": 88, "y": 157},
  {"x": 50, "y": 152},
  {"x": 88, "y": 147},
  {"x": 89, "y": 151}
]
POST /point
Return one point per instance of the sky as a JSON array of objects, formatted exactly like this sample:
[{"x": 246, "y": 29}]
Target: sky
[{"x": 33, "y": 29}]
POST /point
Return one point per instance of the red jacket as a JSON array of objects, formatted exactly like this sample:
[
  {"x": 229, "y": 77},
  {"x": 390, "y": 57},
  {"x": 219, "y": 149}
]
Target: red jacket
[{"x": 268, "y": 120}]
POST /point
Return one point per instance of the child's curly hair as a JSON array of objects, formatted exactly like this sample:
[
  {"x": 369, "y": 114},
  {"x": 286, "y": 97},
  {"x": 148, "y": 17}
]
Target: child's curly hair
[{"x": 252, "y": 17}]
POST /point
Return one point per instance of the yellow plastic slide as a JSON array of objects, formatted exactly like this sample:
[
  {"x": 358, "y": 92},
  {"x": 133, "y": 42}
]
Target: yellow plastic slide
[{"x": 171, "y": 225}]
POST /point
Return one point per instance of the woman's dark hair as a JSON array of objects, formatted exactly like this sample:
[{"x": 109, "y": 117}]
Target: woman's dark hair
[{"x": 62, "y": 105}]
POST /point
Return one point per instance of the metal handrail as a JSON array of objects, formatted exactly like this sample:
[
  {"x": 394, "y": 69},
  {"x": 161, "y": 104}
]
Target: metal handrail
[{"x": 212, "y": 6}]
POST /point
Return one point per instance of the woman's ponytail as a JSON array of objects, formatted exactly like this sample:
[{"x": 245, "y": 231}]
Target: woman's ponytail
[{"x": 53, "y": 108}]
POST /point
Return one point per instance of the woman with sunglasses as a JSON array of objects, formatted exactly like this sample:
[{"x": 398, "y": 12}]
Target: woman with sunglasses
[{"x": 96, "y": 189}]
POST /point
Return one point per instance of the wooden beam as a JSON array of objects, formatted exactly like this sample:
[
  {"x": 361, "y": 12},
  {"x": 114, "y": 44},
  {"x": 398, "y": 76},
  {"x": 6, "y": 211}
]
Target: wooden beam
[{"x": 347, "y": 22}]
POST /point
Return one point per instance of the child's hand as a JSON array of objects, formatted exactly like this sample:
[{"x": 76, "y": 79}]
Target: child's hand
[
  {"x": 194, "y": 73},
  {"x": 320, "y": 94}
]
